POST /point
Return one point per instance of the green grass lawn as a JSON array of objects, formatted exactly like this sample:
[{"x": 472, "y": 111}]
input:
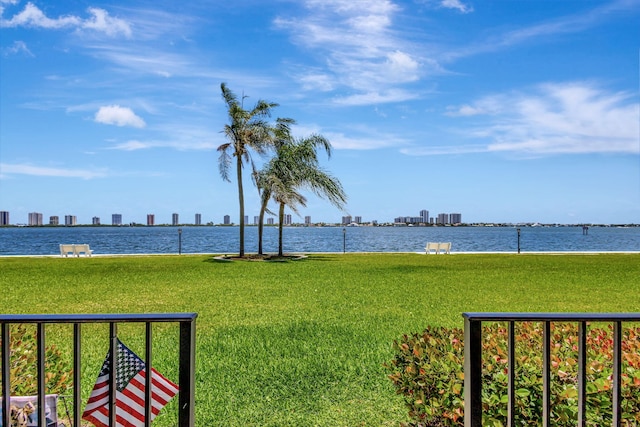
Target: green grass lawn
[{"x": 304, "y": 342}]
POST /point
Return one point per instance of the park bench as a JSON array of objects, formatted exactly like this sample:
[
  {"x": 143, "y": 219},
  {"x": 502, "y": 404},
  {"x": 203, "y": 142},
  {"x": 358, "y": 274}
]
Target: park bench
[
  {"x": 66, "y": 250},
  {"x": 82, "y": 249},
  {"x": 74, "y": 250},
  {"x": 438, "y": 247}
]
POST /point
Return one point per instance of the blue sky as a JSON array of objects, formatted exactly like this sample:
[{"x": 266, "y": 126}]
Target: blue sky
[{"x": 503, "y": 111}]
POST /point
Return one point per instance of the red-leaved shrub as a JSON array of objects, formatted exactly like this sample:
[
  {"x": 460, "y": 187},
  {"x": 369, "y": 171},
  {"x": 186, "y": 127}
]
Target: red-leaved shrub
[{"x": 428, "y": 371}]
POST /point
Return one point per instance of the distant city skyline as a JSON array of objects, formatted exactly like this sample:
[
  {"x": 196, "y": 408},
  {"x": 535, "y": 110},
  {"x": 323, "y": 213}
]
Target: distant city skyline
[
  {"x": 424, "y": 218},
  {"x": 36, "y": 218}
]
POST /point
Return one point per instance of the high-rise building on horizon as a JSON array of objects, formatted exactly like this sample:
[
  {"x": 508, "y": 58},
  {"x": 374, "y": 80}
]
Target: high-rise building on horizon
[
  {"x": 270, "y": 221},
  {"x": 358, "y": 219},
  {"x": 54, "y": 220},
  {"x": 174, "y": 219},
  {"x": 307, "y": 220},
  {"x": 407, "y": 220},
  {"x": 227, "y": 220},
  {"x": 346, "y": 220},
  {"x": 424, "y": 218},
  {"x": 116, "y": 219},
  {"x": 151, "y": 219},
  {"x": 4, "y": 218},
  {"x": 95, "y": 220},
  {"x": 455, "y": 218},
  {"x": 198, "y": 220},
  {"x": 35, "y": 218},
  {"x": 288, "y": 220},
  {"x": 256, "y": 219},
  {"x": 70, "y": 220}
]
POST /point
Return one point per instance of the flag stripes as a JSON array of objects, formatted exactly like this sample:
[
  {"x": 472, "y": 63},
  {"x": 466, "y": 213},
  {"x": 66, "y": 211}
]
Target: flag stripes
[{"x": 130, "y": 393}]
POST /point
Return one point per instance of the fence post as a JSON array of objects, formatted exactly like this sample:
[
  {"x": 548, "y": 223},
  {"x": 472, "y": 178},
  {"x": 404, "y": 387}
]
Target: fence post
[
  {"x": 617, "y": 368},
  {"x": 546, "y": 374},
  {"x": 77, "y": 371},
  {"x": 511, "y": 406},
  {"x": 40, "y": 340},
  {"x": 582, "y": 374},
  {"x": 148, "y": 383},
  {"x": 472, "y": 372},
  {"x": 113, "y": 371},
  {"x": 6, "y": 381},
  {"x": 186, "y": 414}
]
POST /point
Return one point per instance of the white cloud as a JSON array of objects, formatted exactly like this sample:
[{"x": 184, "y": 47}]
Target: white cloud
[
  {"x": 133, "y": 146},
  {"x": 27, "y": 169},
  {"x": 316, "y": 81},
  {"x": 573, "y": 118},
  {"x": 376, "y": 7},
  {"x": 464, "y": 110},
  {"x": 32, "y": 16},
  {"x": 456, "y": 4},
  {"x": 359, "y": 48},
  {"x": 369, "y": 98},
  {"x": 402, "y": 67},
  {"x": 17, "y": 47},
  {"x": 176, "y": 144},
  {"x": 486, "y": 105},
  {"x": 366, "y": 142},
  {"x": 357, "y": 138},
  {"x": 179, "y": 136},
  {"x": 119, "y": 116},
  {"x": 102, "y": 22},
  {"x": 145, "y": 61},
  {"x": 555, "y": 118},
  {"x": 444, "y": 150}
]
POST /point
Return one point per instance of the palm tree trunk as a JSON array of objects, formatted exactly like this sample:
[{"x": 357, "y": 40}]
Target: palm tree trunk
[
  {"x": 280, "y": 226},
  {"x": 241, "y": 200},
  {"x": 263, "y": 208}
]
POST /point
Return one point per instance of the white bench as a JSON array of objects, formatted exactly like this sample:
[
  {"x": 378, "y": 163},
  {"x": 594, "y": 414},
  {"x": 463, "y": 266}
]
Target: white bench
[
  {"x": 75, "y": 250},
  {"x": 82, "y": 249},
  {"x": 66, "y": 250},
  {"x": 437, "y": 247}
]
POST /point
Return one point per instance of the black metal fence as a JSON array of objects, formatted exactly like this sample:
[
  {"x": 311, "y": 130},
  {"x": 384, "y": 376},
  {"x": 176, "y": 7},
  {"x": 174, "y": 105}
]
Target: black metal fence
[
  {"x": 473, "y": 360},
  {"x": 186, "y": 359}
]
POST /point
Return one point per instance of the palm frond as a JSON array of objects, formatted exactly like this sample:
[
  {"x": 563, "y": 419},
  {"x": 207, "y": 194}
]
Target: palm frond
[
  {"x": 224, "y": 163},
  {"x": 263, "y": 108},
  {"x": 229, "y": 97}
]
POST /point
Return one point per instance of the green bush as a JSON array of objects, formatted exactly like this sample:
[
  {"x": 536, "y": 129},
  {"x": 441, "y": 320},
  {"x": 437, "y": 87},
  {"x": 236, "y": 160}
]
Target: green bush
[
  {"x": 428, "y": 371},
  {"x": 23, "y": 364}
]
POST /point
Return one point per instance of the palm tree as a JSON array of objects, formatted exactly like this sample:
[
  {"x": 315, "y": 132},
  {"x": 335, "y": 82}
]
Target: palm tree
[
  {"x": 247, "y": 130},
  {"x": 295, "y": 167},
  {"x": 282, "y": 136}
]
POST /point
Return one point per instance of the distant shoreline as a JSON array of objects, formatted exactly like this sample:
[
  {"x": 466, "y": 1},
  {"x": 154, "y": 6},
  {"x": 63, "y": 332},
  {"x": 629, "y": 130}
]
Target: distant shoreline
[{"x": 390, "y": 224}]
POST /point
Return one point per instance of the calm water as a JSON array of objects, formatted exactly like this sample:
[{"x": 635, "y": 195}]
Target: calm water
[{"x": 161, "y": 240}]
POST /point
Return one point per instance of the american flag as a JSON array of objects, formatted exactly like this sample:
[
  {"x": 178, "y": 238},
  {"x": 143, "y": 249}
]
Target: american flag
[{"x": 130, "y": 385}]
